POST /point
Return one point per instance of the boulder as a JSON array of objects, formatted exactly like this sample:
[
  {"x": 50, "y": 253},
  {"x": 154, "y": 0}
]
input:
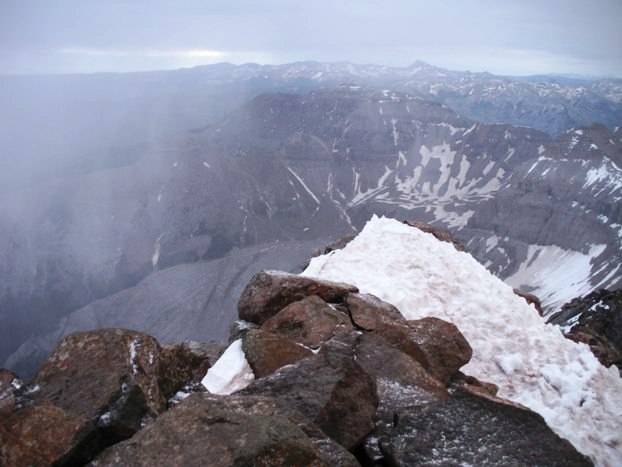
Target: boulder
[
  {"x": 108, "y": 376},
  {"x": 226, "y": 431},
  {"x": 445, "y": 348},
  {"x": 45, "y": 435},
  {"x": 330, "y": 389},
  {"x": 368, "y": 312},
  {"x": 531, "y": 299},
  {"x": 440, "y": 234},
  {"x": 267, "y": 352},
  {"x": 269, "y": 292},
  {"x": 467, "y": 429},
  {"x": 310, "y": 322},
  {"x": 239, "y": 328},
  {"x": 9, "y": 384}
]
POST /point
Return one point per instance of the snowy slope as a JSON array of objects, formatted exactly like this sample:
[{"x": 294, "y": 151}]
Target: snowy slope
[{"x": 531, "y": 362}]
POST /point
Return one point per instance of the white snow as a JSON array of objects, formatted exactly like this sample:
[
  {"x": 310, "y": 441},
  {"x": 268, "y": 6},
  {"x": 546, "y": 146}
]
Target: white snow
[
  {"x": 133, "y": 364},
  {"x": 156, "y": 251},
  {"x": 206, "y": 165},
  {"x": 230, "y": 373},
  {"x": 560, "y": 275},
  {"x": 301, "y": 181},
  {"x": 531, "y": 362}
]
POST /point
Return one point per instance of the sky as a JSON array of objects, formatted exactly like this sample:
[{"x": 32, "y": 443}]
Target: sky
[{"x": 518, "y": 37}]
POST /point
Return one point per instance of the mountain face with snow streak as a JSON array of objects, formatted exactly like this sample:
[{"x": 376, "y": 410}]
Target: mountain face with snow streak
[
  {"x": 296, "y": 168},
  {"x": 531, "y": 362}
]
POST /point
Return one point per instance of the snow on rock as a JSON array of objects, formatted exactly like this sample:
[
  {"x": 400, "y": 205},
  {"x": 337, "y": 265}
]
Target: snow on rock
[
  {"x": 230, "y": 373},
  {"x": 531, "y": 362}
]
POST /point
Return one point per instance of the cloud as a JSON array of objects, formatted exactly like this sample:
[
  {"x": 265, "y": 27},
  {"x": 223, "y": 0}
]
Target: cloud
[{"x": 157, "y": 53}]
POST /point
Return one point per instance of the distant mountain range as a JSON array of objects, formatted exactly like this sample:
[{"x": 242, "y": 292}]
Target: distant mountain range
[{"x": 115, "y": 186}]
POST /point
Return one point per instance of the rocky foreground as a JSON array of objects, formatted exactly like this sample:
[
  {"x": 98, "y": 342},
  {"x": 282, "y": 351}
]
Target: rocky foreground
[{"x": 338, "y": 378}]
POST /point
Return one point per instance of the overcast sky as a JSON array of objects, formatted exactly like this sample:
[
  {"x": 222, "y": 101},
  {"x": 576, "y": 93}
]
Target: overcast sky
[{"x": 501, "y": 36}]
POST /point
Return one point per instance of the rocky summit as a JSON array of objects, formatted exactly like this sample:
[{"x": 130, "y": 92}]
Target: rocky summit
[{"x": 334, "y": 377}]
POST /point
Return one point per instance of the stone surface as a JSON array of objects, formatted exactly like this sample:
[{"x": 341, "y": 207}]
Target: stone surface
[
  {"x": 310, "y": 322},
  {"x": 330, "y": 389},
  {"x": 530, "y": 298},
  {"x": 468, "y": 429},
  {"x": 595, "y": 320},
  {"x": 109, "y": 376},
  {"x": 269, "y": 292},
  {"x": 9, "y": 384},
  {"x": 181, "y": 364},
  {"x": 267, "y": 352},
  {"x": 227, "y": 431},
  {"x": 45, "y": 435},
  {"x": 369, "y": 312},
  {"x": 445, "y": 348}
]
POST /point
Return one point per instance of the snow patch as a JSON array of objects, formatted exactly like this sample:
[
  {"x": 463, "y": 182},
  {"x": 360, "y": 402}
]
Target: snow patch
[{"x": 230, "y": 373}]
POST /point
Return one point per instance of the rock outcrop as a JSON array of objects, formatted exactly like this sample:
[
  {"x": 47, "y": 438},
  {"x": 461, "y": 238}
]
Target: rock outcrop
[
  {"x": 331, "y": 377},
  {"x": 595, "y": 320}
]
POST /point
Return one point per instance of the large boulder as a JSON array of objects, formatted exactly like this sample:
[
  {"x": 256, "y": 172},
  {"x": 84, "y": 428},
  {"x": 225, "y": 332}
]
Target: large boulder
[
  {"x": 310, "y": 322},
  {"x": 467, "y": 429},
  {"x": 439, "y": 234},
  {"x": 368, "y": 312},
  {"x": 330, "y": 389},
  {"x": 45, "y": 435},
  {"x": 269, "y": 292},
  {"x": 267, "y": 352},
  {"x": 445, "y": 348},
  {"x": 226, "y": 431}
]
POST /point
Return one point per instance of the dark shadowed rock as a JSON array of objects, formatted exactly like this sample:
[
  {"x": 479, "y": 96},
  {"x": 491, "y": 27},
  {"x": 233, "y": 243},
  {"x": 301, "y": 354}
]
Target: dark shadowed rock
[
  {"x": 310, "y": 322},
  {"x": 109, "y": 376},
  {"x": 595, "y": 320},
  {"x": 401, "y": 382},
  {"x": 239, "y": 328},
  {"x": 468, "y": 429},
  {"x": 472, "y": 384},
  {"x": 440, "y": 234},
  {"x": 9, "y": 384},
  {"x": 267, "y": 352},
  {"x": 369, "y": 312},
  {"x": 446, "y": 349},
  {"x": 227, "y": 431},
  {"x": 331, "y": 389},
  {"x": 181, "y": 364},
  {"x": 269, "y": 292},
  {"x": 531, "y": 299},
  {"x": 44, "y": 435}
]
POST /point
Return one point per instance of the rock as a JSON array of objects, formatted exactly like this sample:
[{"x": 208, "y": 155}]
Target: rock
[
  {"x": 267, "y": 352},
  {"x": 183, "y": 364},
  {"x": 445, "y": 348},
  {"x": 338, "y": 244},
  {"x": 531, "y": 299},
  {"x": 368, "y": 311},
  {"x": 469, "y": 429},
  {"x": 402, "y": 337},
  {"x": 239, "y": 328},
  {"x": 401, "y": 382},
  {"x": 227, "y": 431},
  {"x": 269, "y": 292},
  {"x": 9, "y": 384},
  {"x": 595, "y": 320},
  {"x": 310, "y": 322},
  {"x": 440, "y": 234},
  {"x": 109, "y": 376},
  {"x": 330, "y": 389},
  {"x": 45, "y": 435},
  {"x": 471, "y": 383}
]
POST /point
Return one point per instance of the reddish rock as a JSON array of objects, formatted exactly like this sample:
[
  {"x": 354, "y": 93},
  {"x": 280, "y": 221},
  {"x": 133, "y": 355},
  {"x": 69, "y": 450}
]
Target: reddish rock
[
  {"x": 530, "y": 299},
  {"x": 445, "y": 348},
  {"x": 471, "y": 383},
  {"x": 108, "y": 376},
  {"x": 267, "y": 352},
  {"x": 369, "y": 312},
  {"x": 269, "y": 292},
  {"x": 402, "y": 337},
  {"x": 226, "y": 431},
  {"x": 9, "y": 384},
  {"x": 440, "y": 234},
  {"x": 330, "y": 389},
  {"x": 44, "y": 435},
  {"x": 310, "y": 322}
]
